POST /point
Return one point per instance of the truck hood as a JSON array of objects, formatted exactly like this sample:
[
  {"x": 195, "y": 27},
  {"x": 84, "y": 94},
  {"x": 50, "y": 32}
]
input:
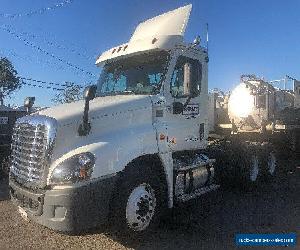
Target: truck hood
[
  {"x": 70, "y": 113},
  {"x": 108, "y": 116}
]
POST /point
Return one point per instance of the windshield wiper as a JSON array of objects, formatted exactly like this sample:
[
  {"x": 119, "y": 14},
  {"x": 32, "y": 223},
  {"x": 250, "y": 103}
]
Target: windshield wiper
[{"x": 126, "y": 92}]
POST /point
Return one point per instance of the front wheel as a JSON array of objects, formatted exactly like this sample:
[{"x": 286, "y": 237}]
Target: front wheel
[
  {"x": 138, "y": 201},
  {"x": 141, "y": 207}
]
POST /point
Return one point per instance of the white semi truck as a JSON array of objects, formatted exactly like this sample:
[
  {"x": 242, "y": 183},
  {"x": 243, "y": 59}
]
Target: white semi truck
[{"x": 134, "y": 147}]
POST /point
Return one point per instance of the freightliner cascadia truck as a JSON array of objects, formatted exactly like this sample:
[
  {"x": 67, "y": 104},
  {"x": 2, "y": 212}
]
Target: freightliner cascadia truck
[{"x": 136, "y": 146}]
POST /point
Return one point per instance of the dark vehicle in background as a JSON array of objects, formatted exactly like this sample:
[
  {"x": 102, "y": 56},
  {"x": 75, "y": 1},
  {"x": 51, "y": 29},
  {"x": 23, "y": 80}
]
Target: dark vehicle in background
[{"x": 8, "y": 117}]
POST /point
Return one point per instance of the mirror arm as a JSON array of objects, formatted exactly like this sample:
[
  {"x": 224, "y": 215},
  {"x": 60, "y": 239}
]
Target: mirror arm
[
  {"x": 85, "y": 118},
  {"x": 178, "y": 107},
  {"x": 85, "y": 126},
  {"x": 89, "y": 94},
  {"x": 28, "y": 103},
  {"x": 187, "y": 102}
]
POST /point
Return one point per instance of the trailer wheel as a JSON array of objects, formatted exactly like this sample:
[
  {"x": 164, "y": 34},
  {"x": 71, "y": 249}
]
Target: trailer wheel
[
  {"x": 254, "y": 169},
  {"x": 252, "y": 172},
  {"x": 271, "y": 164},
  {"x": 138, "y": 201}
]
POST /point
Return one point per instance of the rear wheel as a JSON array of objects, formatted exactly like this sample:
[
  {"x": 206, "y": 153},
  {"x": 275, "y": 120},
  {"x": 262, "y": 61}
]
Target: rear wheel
[
  {"x": 271, "y": 164},
  {"x": 238, "y": 165},
  {"x": 254, "y": 169}
]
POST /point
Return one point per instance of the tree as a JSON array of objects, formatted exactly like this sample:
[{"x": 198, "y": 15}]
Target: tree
[
  {"x": 71, "y": 93},
  {"x": 9, "y": 81}
]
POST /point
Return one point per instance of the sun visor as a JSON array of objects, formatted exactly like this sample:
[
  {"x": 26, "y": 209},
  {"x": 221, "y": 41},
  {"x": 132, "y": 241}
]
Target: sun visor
[{"x": 172, "y": 23}]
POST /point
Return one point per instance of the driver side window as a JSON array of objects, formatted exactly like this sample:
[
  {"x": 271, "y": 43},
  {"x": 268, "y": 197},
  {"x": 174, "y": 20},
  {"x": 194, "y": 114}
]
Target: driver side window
[{"x": 186, "y": 78}]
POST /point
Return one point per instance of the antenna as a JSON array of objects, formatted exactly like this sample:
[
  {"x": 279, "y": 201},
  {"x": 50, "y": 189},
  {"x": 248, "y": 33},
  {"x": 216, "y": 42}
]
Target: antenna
[{"x": 207, "y": 37}]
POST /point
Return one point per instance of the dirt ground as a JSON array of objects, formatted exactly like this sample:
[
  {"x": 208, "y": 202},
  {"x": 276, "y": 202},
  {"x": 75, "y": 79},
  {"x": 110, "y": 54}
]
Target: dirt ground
[{"x": 210, "y": 222}]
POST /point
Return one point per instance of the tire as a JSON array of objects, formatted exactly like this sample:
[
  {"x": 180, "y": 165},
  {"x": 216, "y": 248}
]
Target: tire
[
  {"x": 237, "y": 165},
  {"x": 252, "y": 170},
  {"x": 270, "y": 163},
  {"x": 138, "y": 201},
  {"x": 223, "y": 173}
]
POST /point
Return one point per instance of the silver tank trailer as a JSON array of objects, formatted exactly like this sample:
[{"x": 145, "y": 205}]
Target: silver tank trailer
[{"x": 255, "y": 103}]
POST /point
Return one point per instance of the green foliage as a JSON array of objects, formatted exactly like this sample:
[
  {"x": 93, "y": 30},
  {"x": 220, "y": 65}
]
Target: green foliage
[
  {"x": 69, "y": 94},
  {"x": 9, "y": 81}
]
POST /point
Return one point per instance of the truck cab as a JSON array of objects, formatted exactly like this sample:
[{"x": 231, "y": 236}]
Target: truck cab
[{"x": 128, "y": 151}]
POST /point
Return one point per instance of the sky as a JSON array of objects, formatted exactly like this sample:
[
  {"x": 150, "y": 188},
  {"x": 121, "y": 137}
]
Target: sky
[{"x": 60, "y": 44}]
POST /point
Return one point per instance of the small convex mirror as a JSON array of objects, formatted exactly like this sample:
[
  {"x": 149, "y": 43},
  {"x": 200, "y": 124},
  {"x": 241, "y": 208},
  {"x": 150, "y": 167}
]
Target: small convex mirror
[
  {"x": 90, "y": 92},
  {"x": 197, "y": 41},
  {"x": 28, "y": 102}
]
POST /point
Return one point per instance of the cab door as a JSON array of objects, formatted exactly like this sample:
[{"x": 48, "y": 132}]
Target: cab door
[{"x": 185, "y": 116}]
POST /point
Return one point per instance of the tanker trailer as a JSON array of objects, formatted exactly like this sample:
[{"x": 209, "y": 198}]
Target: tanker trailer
[
  {"x": 255, "y": 105},
  {"x": 251, "y": 104},
  {"x": 260, "y": 118}
]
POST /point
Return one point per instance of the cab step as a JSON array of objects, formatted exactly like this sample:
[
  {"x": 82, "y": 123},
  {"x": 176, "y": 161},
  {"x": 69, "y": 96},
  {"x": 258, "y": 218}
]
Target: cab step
[{"x": 198, "y": 192}]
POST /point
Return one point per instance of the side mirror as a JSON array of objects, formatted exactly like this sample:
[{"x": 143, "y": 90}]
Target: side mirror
[
  {"x": 192, "y": 75},
  {"x": 88, "y": 94},
  {"x": 196, "y": 41},
  {"x": 28, "y": 103},
  {"x": 178, "y": 108}
]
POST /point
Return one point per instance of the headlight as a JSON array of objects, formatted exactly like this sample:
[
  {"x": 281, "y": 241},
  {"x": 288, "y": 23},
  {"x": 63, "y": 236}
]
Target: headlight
[{"x": 74, "y": 169}]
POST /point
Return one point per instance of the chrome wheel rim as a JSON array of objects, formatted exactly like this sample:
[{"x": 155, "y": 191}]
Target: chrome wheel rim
[
  {"x": 140, "y": 207},
  {"x": 254, "y": 168},
  {"x": 272, "y": 162}
]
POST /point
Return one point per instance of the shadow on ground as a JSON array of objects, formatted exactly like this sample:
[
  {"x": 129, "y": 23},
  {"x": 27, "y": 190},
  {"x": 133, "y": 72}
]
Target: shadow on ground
[{"x": 211, "y": 221}]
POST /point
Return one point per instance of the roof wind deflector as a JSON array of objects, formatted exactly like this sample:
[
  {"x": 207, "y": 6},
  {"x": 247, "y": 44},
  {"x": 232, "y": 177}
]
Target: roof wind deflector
[{"x": 171, "y": 23}]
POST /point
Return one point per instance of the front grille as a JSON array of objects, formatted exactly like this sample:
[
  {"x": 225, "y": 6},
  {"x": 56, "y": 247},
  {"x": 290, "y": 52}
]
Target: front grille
[{"x": 30, "y": 150}]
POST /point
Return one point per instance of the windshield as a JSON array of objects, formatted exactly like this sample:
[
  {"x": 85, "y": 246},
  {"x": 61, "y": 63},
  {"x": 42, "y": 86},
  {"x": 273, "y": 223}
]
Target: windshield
[{"x": 141, "y": 74}]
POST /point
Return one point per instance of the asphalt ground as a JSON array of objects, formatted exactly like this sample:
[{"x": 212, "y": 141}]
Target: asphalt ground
[{"x": 209, "y": 222}]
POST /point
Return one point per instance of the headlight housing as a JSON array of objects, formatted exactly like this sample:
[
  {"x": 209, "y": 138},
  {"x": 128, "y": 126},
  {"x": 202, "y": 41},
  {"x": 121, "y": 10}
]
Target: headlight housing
[{"x": 74, "y": 169}]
